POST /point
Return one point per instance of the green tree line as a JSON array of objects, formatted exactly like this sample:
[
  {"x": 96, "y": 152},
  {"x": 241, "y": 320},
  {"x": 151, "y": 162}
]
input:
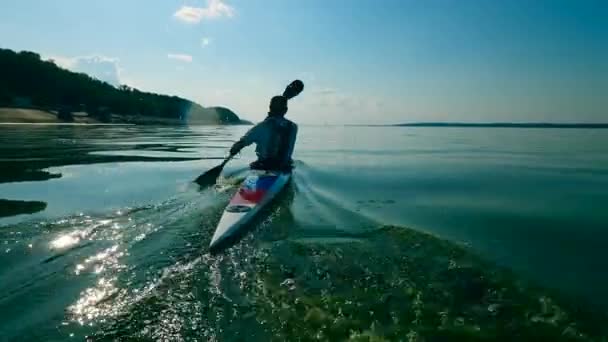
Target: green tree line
[{"x": 24, "y": 75}]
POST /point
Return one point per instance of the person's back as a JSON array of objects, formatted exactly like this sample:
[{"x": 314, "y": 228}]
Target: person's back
[{"x": 274, "y": 137}]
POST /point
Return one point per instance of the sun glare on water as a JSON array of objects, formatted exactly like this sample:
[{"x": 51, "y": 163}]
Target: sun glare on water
[{"x": 66, "y": 240}]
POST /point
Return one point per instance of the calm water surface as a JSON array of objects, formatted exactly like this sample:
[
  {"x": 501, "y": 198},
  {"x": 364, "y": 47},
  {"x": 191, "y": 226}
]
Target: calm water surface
[{"x": 401, "y": 233}]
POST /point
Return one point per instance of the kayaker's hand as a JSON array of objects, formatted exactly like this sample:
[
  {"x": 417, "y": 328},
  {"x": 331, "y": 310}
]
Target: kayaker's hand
[{"x": 234, "y": 150}]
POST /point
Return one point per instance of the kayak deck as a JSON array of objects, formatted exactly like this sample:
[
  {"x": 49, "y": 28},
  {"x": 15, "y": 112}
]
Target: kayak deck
[{"x": 258, "y": 189}]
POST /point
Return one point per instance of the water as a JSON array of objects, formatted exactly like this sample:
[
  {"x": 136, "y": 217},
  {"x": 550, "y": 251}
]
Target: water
[{"x": 401, "y": 233}]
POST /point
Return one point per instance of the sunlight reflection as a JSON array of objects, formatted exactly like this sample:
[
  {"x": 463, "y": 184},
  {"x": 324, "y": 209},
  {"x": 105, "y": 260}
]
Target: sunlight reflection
[
  {"x": 88, "y": 307},
  {"x": 73, "y": 238},
  {"x": 104, "y": 298},
  {"x": 66, "y": 240},
  {"x": 79, "y": 268},
  {"x": 99, "y": 262}
]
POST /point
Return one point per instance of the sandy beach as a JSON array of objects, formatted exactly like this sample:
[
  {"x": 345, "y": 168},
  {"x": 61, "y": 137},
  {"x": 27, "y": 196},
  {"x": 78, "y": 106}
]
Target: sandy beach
[{"x": 17, "y": 115}]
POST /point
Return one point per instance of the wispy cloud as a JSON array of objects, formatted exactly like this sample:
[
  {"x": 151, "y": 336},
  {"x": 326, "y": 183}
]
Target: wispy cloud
[
  {"x": 101, "y": 67},
  {"x": 180, "y": 57},
  {"x": 325, "y": 91},
  {"x": 336, "y": 99},
  {"x": 215, "y": 9},
  {"x": 205, "y": 41}
]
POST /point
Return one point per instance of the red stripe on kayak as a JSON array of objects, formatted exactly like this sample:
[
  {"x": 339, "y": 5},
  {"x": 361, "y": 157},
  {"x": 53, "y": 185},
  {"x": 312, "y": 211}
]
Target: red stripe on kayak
[{"x": 253, "y": 190}]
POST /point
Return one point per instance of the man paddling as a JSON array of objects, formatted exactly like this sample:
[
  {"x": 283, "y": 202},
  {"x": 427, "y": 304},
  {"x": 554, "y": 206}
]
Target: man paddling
[{"x": 275, "y": 137}]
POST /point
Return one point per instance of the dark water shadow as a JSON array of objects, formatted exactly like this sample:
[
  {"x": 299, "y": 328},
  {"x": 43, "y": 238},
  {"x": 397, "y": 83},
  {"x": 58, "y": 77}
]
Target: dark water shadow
[
  {"x": 27, "y": 170},
  {"x": 10, "y": 174},
  {"x": 13, "y": 208},
  {"x": 26, "y": 152}
]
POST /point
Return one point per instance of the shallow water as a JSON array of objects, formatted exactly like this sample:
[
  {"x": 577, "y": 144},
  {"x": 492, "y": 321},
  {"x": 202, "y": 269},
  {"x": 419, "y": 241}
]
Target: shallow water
[{"x": 394, "y": 232}]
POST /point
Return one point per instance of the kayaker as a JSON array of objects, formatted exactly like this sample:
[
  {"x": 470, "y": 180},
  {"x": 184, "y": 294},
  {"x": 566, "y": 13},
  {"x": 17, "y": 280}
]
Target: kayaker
[{"x": 275, "y": 138}]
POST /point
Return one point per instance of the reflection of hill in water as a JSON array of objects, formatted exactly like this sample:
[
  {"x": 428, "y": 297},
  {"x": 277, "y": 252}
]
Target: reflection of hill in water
[
  {"x": 27, "y": 151},
  {"x": 12, "y": 208}
]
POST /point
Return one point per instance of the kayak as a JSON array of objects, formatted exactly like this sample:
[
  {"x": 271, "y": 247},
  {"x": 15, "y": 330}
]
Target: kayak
[{"x": 256, "y": 192}]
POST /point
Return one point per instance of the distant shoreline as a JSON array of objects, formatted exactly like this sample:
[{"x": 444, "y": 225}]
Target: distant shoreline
[
  {"x": 33, "y": 116},
  {"x": 498, "y": 125},
  {"x": 36, "y": 116},
  {"x": 61, "y": 124}
]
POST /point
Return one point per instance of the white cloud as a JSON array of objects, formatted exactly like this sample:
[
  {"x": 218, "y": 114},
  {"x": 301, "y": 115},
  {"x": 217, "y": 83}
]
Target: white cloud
[
  {"x": 64, "y": 62},
  {"x": 214, "y": 9},
  {"x": 100, "y": 67},
  {"x": 205, "y": 41},
  {"x": 180, "y": 57}
]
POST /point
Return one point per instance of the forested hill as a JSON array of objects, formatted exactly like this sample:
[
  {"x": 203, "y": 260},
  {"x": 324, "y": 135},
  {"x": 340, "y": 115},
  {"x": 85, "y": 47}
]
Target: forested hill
[{"x": 27, "y": 81}]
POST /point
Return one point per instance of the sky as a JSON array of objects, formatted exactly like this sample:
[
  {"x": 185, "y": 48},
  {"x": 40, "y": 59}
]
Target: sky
[{"x": 363, "y": 61}]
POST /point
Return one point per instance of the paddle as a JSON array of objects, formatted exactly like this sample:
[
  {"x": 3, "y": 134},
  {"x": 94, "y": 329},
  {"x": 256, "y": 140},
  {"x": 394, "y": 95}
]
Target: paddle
[
  {"x": 210, "y": 177},
  {"x": 293, "y": 89}
]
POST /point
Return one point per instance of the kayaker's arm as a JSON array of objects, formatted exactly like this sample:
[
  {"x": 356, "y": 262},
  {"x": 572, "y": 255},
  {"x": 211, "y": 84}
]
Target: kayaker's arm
[
  {"x": 237, "y": 147},
  {"x": 248, "y": 139}
]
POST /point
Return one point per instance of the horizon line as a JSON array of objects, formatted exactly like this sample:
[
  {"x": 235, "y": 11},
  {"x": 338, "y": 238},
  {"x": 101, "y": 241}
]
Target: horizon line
[{"x": 494, "y": 124}]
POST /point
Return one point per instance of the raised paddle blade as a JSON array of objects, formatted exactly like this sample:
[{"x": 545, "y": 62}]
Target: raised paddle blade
[{"x": 293, "y": 89}]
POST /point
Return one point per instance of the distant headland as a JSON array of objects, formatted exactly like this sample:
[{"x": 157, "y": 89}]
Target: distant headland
[{"x": 33, "y": 90}]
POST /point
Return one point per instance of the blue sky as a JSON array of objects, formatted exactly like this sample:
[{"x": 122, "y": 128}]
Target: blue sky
[{"x": 363, "y": 61}]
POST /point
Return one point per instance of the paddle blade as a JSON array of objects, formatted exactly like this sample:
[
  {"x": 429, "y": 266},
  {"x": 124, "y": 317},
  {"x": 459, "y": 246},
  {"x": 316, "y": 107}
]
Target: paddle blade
[
  {"x": 208, "y": 178},
  {"x": 293, "y": 89}
]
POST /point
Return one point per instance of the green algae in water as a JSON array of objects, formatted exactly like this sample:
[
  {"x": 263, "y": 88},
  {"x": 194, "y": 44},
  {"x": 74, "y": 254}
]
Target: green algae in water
[
  {"x": 392, "y": 284},
  {"x": 397, "y": 284}
]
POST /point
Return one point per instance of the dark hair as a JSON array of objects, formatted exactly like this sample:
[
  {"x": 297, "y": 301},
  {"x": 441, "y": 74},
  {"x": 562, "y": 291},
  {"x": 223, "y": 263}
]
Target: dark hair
[{"x": 278, "y": 106}]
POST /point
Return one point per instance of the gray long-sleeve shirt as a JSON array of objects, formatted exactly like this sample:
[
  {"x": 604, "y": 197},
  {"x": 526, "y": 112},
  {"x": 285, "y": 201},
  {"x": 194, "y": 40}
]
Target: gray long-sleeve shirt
[{"x": 275, "y": 139}]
